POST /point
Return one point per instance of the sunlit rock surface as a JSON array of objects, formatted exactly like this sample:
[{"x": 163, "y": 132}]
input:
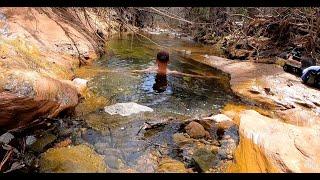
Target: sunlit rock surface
[
  {"x": 126, "y": 109},
  {"x": 286, "y": 140},
  {"x": 269, "y": 145},
  {"x": 38, "y": 63}
]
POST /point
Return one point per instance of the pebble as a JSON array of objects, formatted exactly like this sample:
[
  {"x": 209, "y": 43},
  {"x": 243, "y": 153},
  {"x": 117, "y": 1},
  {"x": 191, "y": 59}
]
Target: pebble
[
  {"x": 6, "y": 138},
  {"x": 195, "y": 130},
  {"x": 30, "y": 140}
]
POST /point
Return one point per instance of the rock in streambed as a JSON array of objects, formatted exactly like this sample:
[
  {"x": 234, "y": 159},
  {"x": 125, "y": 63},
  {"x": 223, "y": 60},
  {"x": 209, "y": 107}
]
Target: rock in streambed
[{"x": 126, "y": 109}]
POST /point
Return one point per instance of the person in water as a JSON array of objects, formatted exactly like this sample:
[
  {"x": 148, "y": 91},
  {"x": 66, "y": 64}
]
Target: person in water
[
  {"x": 162, "y": 70},
  {"x": 161, "y": 78},
  {"x": 162, "y": 67}
]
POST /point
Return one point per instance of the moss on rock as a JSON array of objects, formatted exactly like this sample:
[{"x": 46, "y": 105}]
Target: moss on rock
[{"x": 73, "y": 159}]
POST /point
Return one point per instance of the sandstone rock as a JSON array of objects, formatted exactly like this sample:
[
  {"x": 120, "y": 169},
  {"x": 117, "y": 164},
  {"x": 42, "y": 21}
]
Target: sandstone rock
[
  {"x": 269, "y": 145},
  {"x": 29, "y": 95},
  {"x": 75, "y": 159},
  {"x": 168, "y": 165},
  {"x": 196, "y": 130},
  {"x": 126, "y": 109},
  {"x": 299, "y": 117},
  {"x": 35, "y": 69}
]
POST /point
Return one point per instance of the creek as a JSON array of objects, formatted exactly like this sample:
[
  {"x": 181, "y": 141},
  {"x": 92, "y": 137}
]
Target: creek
[{"x": 183, "y": 98}]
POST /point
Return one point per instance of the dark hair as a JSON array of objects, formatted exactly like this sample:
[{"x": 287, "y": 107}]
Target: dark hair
[{"x": 163, "y": 56}]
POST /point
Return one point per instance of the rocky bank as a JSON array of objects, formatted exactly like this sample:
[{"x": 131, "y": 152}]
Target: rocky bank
[
  {"x": 286, "y": 140},
  {"x": 40, "y": 48}
]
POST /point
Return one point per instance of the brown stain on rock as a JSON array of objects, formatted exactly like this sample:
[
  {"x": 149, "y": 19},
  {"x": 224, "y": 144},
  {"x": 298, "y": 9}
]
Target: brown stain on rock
[{"x": 250, "y": 158}]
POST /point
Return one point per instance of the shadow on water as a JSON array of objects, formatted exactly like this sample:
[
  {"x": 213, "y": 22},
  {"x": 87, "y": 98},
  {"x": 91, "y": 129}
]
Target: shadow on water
[{"x": 171, "y": 96}]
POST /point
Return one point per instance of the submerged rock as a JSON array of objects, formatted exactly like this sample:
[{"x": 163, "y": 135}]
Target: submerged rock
[
  {"x": 196, "y": 130},
  {"x": 42, "y": 142},
  {"x": 30, "y": 140},
  {"x": 203, "y": 159},
  {"x": 147, "y": 163},
  {"x": 112, "y": 157},
  {"x": 180, "y": 139},
  {"x": 126, "y": 109},
  {"x": 73, "y": 159}
]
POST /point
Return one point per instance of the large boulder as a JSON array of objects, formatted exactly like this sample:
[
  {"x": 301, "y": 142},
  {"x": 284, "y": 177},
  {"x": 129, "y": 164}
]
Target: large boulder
[
  {"x": 37, "y": 64},
  {"x": 25, "y": 96},
  {"x": 270, "y": 145}
]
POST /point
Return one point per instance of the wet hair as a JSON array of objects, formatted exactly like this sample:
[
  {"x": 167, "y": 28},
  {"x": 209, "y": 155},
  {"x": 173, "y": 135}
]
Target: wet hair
[{"x": 163, "y": 56}]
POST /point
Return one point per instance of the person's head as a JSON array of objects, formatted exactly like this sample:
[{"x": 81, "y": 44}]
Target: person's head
[{"x": 162, "y": 57}]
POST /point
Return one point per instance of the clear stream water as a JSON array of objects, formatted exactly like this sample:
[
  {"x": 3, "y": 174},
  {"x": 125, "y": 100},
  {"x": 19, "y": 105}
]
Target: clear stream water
[{"x": 184, "y": 97}]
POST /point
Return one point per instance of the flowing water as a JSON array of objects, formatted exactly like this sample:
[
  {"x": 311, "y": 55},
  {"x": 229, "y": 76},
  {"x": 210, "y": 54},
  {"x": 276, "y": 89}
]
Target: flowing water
[{"x": 173, "y": 96}]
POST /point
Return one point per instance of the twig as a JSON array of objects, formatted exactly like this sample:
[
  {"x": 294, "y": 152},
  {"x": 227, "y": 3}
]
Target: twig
[
  {"x": 177, "y": 18},
  {"x": 6, "y": 157}
]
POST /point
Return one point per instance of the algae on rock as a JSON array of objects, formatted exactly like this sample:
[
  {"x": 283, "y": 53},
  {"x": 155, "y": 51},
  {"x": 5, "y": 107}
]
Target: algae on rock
[{"x": 73, "y": 159}]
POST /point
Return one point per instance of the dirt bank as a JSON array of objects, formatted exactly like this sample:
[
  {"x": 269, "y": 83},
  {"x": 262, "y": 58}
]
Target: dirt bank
[
  {"x": 286, "y": 140},
  {"x": 40, "y": 48}
]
